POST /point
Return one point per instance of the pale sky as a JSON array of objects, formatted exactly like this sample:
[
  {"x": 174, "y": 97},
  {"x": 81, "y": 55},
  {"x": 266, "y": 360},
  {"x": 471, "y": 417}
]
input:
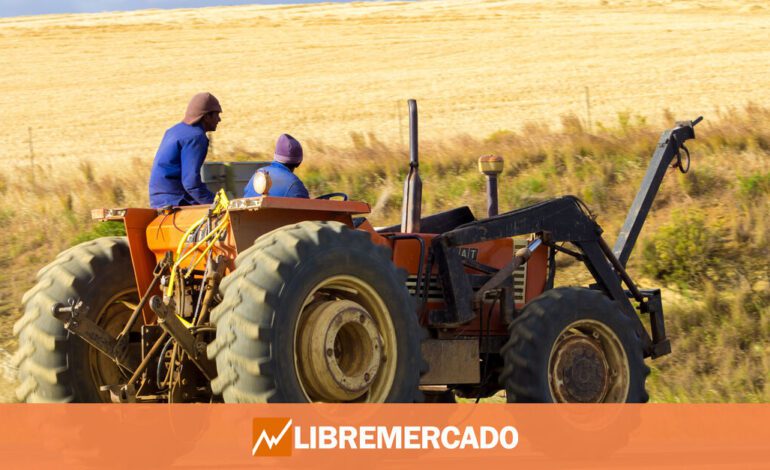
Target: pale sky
[{"x": 39, "y": 7}]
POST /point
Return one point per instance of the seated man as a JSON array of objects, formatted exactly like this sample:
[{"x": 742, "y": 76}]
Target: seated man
[
  {"x": 175, "y": 179},
  {"x": 287, "y": 157}
]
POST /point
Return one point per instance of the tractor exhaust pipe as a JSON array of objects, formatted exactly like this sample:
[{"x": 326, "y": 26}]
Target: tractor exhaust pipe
[
  {"x": 412, "y": 203},
  {"x": 491, "y": 166}
]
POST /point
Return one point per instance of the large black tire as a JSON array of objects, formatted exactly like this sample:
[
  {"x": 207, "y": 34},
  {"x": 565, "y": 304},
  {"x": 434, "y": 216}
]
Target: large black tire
[
  {"x": 54, "y": 365},
  {"x": 264, "y": 305},
  {"x": 538, "y": 358}
]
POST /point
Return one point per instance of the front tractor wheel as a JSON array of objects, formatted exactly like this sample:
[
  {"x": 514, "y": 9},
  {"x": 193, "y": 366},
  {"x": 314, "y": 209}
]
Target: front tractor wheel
[
  {"x": 315, "y": 312},
  {"x": 573, "y": 345}
]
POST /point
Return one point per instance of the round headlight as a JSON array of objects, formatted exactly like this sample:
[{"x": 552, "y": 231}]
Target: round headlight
[{"x": 262, "y": 182}]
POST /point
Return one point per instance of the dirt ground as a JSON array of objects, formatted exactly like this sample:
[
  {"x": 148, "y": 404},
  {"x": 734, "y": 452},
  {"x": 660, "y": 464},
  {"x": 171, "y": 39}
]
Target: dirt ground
[{"x": 103, "y": 87}]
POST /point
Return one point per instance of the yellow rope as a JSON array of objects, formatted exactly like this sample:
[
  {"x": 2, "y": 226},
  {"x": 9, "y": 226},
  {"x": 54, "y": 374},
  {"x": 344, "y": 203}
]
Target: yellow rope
[
  {"x": 190, "y": 230},
  {"x": 219, "y": 207},
  {"x": 217, "y": 232}
]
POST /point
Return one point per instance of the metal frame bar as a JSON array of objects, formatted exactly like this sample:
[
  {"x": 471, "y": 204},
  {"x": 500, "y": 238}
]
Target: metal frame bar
[
  {"x": 668, "y": 147},
  {"x": 563, "y": 219}
]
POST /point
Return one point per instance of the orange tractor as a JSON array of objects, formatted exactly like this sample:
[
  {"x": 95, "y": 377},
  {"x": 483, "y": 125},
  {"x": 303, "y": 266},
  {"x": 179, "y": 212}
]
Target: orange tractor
[{"x": 273, "y": 299}]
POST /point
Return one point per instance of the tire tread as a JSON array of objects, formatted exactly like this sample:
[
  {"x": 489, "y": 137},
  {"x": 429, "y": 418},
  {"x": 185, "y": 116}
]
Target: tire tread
[{"x": 261, "y": 273}]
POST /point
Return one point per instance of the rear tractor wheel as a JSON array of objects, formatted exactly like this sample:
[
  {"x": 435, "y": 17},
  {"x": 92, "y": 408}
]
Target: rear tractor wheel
[
  {"x": 573, "y": 345},
  {"x": 55, "y": 365},
  {"x": 315, "y": 312}
]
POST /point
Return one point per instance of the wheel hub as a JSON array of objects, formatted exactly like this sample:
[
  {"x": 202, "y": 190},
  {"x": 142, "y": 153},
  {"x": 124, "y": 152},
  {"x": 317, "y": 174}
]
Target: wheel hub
[
  {"x": 580, "y": 372},
  {"x": 340, "y": 351}
]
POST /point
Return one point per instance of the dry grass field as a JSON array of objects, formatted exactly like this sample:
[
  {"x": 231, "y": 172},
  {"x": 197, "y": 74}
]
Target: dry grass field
[
  {"x": 96, "y": 92},
  {"x": 103, "y": 87}
]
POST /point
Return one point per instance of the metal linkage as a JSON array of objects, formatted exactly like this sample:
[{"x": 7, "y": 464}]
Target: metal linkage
[
  {"x": 669, "y": 145},
  {"x": 75, "y": 320},
  {"x": 561, "y": 219},
  {"x": 160, "y": 269},
  {"x": 215, "y": 271},
  {"x": 496, "y": 281},
  {"x": 170, "y": 322}
]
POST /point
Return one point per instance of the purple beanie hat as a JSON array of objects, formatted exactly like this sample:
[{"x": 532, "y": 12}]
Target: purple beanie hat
[{"x": 288, "y": 150}]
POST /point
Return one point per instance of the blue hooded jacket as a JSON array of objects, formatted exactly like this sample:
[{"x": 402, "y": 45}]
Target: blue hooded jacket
[
  {"x": 284, "y": 183},
  {"x": 175, "y": 179}
]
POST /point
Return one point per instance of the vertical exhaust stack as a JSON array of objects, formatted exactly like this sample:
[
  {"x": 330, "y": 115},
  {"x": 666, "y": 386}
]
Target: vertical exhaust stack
[
  {"x": 412, "y": 204},
  {"x": 491, "y": 166}
]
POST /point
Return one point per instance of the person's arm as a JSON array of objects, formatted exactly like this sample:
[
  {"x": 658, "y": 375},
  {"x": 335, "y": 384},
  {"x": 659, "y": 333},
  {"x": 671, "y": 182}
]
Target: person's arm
[
  {"x": 298, "y": 189},
  {"x": 193, "y": 154}
]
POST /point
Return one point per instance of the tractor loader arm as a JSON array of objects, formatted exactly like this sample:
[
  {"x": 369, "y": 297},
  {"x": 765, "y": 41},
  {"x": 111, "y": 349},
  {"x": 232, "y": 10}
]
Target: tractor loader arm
[
  {"x": 566, "y": 219},
  {"x": 563, "y": 218},
  {"x": 556, "y": 220},
  {"x": 670, "y": 146}
]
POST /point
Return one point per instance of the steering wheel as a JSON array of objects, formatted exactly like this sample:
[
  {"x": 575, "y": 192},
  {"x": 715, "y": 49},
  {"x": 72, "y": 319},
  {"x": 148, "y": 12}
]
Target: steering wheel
[{"x": 331, "y": 195}]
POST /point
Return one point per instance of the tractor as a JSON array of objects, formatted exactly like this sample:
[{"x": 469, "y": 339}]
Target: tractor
[{"x": 276, "y": 300}]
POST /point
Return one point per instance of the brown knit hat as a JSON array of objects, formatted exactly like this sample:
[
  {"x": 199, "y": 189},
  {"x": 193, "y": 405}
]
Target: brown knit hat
[{"x": 201, "y": 104}]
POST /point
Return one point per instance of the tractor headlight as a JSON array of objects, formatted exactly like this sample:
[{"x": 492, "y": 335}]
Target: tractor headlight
[{"x": 262, "y": 183}]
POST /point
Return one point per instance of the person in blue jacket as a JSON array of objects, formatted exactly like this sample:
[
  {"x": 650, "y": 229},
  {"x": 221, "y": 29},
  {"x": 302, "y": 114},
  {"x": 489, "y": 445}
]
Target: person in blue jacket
[
  {"x": 287, "y": 157},
  {"x": 175, "y": 179}
]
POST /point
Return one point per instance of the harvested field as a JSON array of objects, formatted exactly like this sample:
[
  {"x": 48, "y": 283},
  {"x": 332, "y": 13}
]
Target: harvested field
[{"x": 104, "y": 86}]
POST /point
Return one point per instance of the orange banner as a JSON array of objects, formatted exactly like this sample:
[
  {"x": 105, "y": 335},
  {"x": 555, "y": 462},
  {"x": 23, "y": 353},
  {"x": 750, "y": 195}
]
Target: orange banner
[{"x": 384, "y": 436}]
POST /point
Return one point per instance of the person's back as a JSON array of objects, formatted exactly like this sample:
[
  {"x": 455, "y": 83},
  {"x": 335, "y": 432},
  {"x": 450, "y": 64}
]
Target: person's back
[
  {"x": 284, "y": 183},
  {"x": 175, "y": 177}
]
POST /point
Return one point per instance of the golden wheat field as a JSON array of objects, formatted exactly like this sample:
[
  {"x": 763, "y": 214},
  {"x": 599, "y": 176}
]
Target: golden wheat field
[{"x": 104, "y": 87}]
